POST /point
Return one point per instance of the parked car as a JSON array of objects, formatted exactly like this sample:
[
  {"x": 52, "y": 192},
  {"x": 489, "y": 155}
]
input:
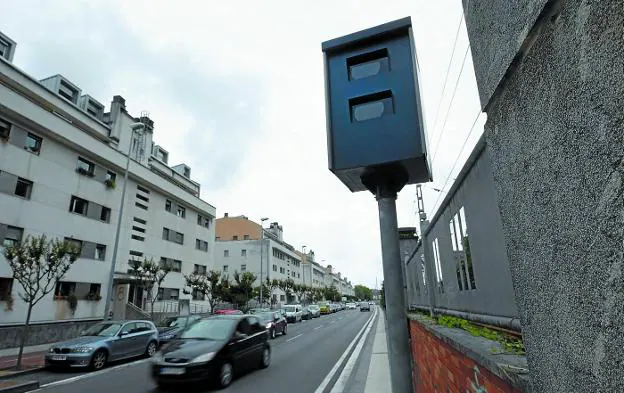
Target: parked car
[
  {"x": 105, "y": 342},
  {"x": 294, "y": 312},
  {"x": 171, "y": 327},
  {"x": 315, "y": 310},
  {"x": 274, "y": 322},
  {"x": 258, "y": 310},
  {"x": 228, "y": 311},
  {"x": 213, "y": 350},
  {"x": 306, "y": 314},
  {"x": 365, "y": 306},
  {"x": 351, "y": 306}
]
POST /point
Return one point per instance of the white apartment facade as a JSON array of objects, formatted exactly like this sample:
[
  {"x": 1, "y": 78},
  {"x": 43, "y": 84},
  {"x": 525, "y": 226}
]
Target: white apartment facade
[{"x": 62, "y": 161}]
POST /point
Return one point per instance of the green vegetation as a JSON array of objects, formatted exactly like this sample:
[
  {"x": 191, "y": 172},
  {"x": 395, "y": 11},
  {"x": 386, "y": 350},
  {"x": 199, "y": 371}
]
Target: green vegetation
[
  {"x": 363, "y": 292},
  {"x": 509, "y": 343}
]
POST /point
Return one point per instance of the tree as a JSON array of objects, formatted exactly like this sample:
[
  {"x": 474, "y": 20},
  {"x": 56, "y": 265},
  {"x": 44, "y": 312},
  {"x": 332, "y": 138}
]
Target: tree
[
  {"x": 299, "y": 290},
  {"x": 271, "y": 285},
  {"x": 38, "y": 264},
  {"x": 362, "y": 292},
  {"x": 331, "y": 294},
  {"x": 242, "y": 288},
  {"x": 150, "y": 275},
  {"x": 207, "y": 284}
]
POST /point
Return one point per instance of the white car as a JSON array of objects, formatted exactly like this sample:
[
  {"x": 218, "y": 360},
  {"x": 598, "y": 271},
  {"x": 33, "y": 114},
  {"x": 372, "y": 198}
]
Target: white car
[
  {"x": 351, "y": 306},
  {"x": 294, "y": 312}
]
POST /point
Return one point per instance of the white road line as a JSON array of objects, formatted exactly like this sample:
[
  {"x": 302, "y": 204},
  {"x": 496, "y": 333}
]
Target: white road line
[
  {"x": 90, "y": 375},
  {"x": 318, "y": 327},
  {"x": 341, "y": 383},
  {"x": 292, "y": 338},
  {"x": 334, "y": 369}
]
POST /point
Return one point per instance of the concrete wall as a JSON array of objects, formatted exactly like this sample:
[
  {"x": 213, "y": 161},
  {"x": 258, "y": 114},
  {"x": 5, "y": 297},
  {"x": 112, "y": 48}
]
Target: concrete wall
[
  {"x": 555, "y": 134},
  {"x": 493, "y": 295},
  {"x": 43, "y": 333}
]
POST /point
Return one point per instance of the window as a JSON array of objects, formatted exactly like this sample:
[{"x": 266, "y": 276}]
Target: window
[
  {"x": 140, "y": 221},
  {"x": 181, "y": 212},
  {"x": 100, "y": 252},
  {"x": 459, "y": 238},
  {"x": 226, "y": 253},
  {"x": 282, "y": 270},
  {"x": 78, "y": 205},
  {"x": 179, "y": 238},
  {"x": 168, "y": 294},
  {"x": 85, "y": 167},
  {"x": 65, "y": 288},
  {"x": 168, "y": 205},
  {"x": 33, "y": 143},
  {"x": 199, "y": 219},
  {"x": 6, "y": 286},
  {"x": 176, "y": 265},
  {"x": 274, "y": 268},
  {"x": 438, "y": 265},
  {"x": 138, "y": 229},
  {"x": 225, "y": 268},
  {"x": 234, "y": 237},
  {"x": 77, "y": 244},
  {"x": 5, "y": 129},
  {"x": 201, "y": 245},
  {"x": 136, "y": 253},
  {"x": 105, "y": 214},
  {"x": 142, "y": 189},
  {"x": 243, "y": 253},
  {"x": 140, "y": 205},
  {"x": 245, "y": 237},
  {"x": 199, "y": 269},
  {"x": 165, "y": 234},
  {"x": 143, "y": 198},
  {"x": 282, "y": 298},
  {"x": 139, "y": 238},
  {"x": 197, "y": 295},
  {"x": 243, "y": 268},
  {"x": 23, "y": 188}
]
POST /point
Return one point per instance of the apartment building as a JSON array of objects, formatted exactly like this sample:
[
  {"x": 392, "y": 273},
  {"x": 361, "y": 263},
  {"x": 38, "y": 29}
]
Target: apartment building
[
  {"x": 241, "y": 244},
  {"x": 62, "y": 165}
]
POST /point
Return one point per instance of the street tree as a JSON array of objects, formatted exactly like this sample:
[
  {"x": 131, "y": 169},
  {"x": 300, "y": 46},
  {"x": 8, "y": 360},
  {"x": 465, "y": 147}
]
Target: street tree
[
  {"x": 271, "y": 286},
  {"x": 299, "y": 290},
  {"x": 207, "y": 284},
  {"x": 150, "y": 276},
  {"x": 363, "y": 292},
  {"x": 38, "y": 264},
  {"x": 242, "y": 288}
]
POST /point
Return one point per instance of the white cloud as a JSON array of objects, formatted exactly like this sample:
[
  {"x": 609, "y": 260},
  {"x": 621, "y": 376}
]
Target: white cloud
[{"x": 236, "y": 91}]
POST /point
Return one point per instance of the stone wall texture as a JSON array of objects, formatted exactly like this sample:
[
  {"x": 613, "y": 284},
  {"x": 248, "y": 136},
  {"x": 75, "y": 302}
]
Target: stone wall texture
[
  {"x": 42, "y": 333},
  {"x": 438, "y": 367},
  {"x": 555, "y": 134}
]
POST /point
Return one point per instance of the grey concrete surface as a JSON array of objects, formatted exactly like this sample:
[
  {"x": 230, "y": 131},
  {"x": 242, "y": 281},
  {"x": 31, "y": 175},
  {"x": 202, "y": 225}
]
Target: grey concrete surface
[
  {"x": 299, "y": 364},
  {"x": 42, "y": 333},
  {"x": 555, "y": 134}
]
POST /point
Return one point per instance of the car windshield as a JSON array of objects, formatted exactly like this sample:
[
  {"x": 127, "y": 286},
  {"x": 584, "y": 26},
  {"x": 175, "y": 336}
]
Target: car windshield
[
  {"x": 210, "y": 329},
  {"x": 103, "y": 329},
  {"x": 313, "y": 307},
  {"x": 290, "y": 308},
  {"x": 176, "y": 322},
  {"x": 266, "y": 316}
]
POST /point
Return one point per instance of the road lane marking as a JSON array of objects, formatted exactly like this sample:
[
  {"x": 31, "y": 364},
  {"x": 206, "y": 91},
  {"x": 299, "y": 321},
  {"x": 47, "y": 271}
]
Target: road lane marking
[
  {"x": 90, "y": 374},
  {"x": 341, "y": 383},
  {"x": 334, "y": 369},
  {"x": 318, "y": 327},
  {"x": 292, "y": 338}
]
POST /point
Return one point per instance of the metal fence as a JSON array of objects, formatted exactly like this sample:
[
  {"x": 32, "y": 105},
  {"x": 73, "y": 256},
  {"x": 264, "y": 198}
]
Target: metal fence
[{"x": 466, "y": 252}]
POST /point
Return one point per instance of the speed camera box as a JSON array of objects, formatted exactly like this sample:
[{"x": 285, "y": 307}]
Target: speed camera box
[{"x": 374, "y": 113}]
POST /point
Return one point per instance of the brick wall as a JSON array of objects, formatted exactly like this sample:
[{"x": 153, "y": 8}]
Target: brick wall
[{"x": 440, "y": 368}]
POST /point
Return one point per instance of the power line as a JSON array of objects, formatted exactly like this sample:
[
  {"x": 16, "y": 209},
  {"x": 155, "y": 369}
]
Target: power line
[
  {"x": 474, "y": 123},
  {"x": 448, "y": 111}
]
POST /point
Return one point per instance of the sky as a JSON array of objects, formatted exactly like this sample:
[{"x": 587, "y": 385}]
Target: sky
[{"x": 236, "y": 91}]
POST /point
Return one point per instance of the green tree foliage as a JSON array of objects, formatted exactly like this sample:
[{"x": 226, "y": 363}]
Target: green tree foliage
[
  {"x": 362, "y": 292},
  {"x": 37, "y": 264},
  {"x": 150, "y": 276},
  {"x": 206, "y": 284}
]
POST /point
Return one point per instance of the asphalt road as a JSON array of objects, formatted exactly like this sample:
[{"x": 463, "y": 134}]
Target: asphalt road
[{"x": 300, "y": 361}]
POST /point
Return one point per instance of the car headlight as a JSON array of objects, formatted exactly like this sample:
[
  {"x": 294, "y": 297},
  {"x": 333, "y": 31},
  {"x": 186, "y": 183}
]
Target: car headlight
[
  {"x": 82, "y": 349},
  {"x": 269, "y": 324},
  {"x": 51, "y": 349},
  {"x": 167, "y": 336},
  {"x": 204, "y": 358}
]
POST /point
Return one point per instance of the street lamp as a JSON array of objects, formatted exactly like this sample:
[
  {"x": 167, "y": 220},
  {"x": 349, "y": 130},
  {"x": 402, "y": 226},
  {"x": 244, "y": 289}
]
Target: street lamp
[
  {"x": 111, "y": 275},
  {"x": 262, "y": 220}
]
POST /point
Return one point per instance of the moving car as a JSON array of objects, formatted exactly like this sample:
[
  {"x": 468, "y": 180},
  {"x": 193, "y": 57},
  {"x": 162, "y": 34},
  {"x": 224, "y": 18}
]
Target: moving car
[
  {"x": 173, "y": 326},
  {"x": 227, "y": 311},
  {"x": 306, "y": 314},
  {"x": 351, "y": 306},
  {"x": 274, "y": 322},
  {"x": 315, "y": 310},
  {"x": 294, "y": 312},
  {"x": 258, "y": 310},
  {"x": 324, "y": 308},
  {"x": 213, "y": 350},
  {"x": 365, "y": 306},
  {"x": 105, "y": 342}
]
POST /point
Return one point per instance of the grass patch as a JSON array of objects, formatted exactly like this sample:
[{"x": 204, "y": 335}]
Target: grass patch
[{"x": 509, "y": 344}]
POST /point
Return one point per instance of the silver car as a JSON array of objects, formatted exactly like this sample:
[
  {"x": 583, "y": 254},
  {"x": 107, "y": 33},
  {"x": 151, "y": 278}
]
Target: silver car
[{"x": 105, "y": 342}]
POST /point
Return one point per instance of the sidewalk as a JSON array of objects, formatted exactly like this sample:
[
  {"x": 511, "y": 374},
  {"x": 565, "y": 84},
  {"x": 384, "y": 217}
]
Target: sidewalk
[
  {"x": 379, "y": 368},
  {"x": 33, "y": 357}
]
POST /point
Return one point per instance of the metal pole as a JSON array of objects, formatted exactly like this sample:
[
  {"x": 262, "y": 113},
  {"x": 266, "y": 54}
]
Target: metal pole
[
  {"x": 398, "y": 335},
  {"x": 261, "y": 260},
  {"x": 111, "y": 274}
]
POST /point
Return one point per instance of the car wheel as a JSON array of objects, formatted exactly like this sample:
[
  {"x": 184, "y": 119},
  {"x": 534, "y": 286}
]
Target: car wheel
[
  {"x": 265, "y": 361},
  {"x": 98, "y": 361},
  {"x": 225, "y": 375},
  {"x": 272, "y": 334},
  {"x": 151, "y": 349},
  {"x": 285, "y": 328}
]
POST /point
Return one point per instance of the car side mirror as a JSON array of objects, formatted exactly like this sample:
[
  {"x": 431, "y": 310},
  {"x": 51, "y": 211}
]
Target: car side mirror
[
  {"x": 276, "y": 319},
  {"x": 238, "y": 336},
  {"x": 121, "y": 334}
]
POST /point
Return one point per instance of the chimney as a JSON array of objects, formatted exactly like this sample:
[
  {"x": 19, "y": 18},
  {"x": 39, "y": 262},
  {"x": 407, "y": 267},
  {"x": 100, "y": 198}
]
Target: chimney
[{"x": 118, "y": 106}]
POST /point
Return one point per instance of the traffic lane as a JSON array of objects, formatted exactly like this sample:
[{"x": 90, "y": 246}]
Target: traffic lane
[
  {"x": 300, "y": 361},
  {"x": 50, "y": 376}
]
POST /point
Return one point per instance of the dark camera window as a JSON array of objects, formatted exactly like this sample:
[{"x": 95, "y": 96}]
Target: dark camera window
[
  {"x": 372, "y": 106},
  {"x": 368, "y": 64}
]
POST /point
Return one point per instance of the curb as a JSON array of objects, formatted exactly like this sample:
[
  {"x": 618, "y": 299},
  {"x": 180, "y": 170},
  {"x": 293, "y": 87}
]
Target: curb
[
  {"x": 13, "y": 374},
  {"x": 21, "y": 387}
]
